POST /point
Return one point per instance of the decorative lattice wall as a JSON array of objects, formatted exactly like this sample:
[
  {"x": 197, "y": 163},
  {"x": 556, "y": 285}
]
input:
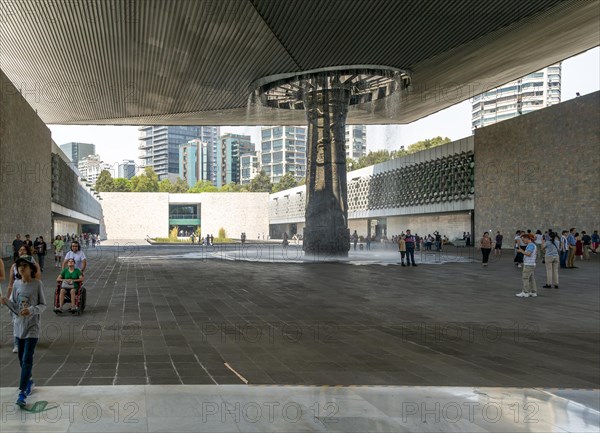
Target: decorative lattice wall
[
  {"x": 445, "y": 179},
  {"x": 437, "y": 180}
]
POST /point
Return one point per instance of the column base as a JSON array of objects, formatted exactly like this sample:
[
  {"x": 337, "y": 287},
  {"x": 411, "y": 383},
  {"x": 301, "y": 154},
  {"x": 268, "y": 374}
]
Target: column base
[{"x": 327, "y": 241}]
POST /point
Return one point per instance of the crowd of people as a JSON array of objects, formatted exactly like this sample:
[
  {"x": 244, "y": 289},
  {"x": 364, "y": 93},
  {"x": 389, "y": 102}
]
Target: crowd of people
[
  {"x": 25, "y": 297},
  {"x": 556, "y": 251}
]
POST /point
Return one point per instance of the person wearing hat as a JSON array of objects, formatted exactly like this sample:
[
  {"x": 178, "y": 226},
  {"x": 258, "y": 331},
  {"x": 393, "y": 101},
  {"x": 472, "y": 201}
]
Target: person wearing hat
[
  {"x": 529, "y": 256},
  {"x": 28, "y": 303},
  {"x": 24, "y": 251}
]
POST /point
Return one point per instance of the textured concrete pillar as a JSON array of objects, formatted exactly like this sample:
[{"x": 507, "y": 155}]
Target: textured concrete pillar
[{"x": 326, "y": 232}]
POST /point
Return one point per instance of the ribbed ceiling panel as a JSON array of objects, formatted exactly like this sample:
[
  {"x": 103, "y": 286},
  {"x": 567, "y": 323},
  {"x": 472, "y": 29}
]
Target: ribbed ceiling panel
[
  {"x": 108, "y": 61},
  {"x": 396, "y": 33},
  {"x": 115, "y": 58}
]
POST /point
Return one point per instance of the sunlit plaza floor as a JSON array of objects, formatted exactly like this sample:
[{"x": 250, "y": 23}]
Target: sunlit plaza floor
[{"x": 212, "y": 327}]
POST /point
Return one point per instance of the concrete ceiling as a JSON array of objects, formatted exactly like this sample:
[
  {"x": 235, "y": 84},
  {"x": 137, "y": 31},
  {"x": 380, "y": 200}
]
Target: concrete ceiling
[{"x": 192, "y": 61}]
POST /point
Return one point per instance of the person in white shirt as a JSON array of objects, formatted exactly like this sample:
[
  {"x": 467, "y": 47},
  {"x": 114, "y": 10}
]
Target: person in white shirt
[{"x": 77, "y": 255}]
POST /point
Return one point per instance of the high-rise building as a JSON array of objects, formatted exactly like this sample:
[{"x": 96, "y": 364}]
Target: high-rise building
[
  {"x": 91, "y": 166},
  {"x": 196, "y": 161},
  {"x": 126, "y": 169},
  {"x": 159, "y": 145},
  {"x": 231, "y": 148},
  {"x": 77, "y": 151},
  {"x": 356, "y": 141},
  {"x": 283, "y": 150},
  {"x": 249, "y": 167},
  {"x": 531, "y": 92}
]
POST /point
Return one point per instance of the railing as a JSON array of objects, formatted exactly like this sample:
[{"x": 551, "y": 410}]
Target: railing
[{"x": 180, "y": 216}]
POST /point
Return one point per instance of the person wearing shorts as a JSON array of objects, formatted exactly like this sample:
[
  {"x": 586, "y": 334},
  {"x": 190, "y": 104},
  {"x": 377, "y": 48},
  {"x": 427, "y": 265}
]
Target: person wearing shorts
[
  {"x": 498, "y": 246},
  {"x": 58, "y": 250}
]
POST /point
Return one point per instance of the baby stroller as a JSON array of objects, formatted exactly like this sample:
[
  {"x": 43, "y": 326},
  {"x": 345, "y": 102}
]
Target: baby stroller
[{"x": 80, "y": 296}]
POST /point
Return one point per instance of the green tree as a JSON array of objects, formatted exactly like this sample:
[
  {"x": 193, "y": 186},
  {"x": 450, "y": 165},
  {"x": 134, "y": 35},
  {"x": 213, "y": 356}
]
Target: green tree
[
  {"x": 203, "y": 186},
  {"x": 261, "y": 183},
  {"x": 372, "y": 158},
  {"x": 180, "y": 186},
  {"x": 287, "y": 181},
  {"x": 233, "y": 187},
  {"x": 351, "y": 164},
  {"x": 104, "y": 183},
  {"x": 121, "y": 185},
  {"x": 145, "y": 182},
  {"x": 165, "y": 185},
  {"x": 427, "y": 144}
]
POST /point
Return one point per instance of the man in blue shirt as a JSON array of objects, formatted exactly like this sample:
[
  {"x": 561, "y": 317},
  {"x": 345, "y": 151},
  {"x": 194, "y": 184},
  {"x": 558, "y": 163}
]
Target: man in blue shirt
[{"x": 572, "y": 243}]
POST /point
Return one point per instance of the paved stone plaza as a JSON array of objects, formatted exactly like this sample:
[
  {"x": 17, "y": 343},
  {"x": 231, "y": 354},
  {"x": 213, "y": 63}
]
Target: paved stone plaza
[{"x": 154, "y": 318}]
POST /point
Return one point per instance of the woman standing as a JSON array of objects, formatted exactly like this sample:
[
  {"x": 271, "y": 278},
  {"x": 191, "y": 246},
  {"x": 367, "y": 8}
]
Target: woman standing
[
  {"x": 552, "y": 248},
  {"x": 518, "y": 246},
  {"x": 402, "y": 248},
  {"x": 58, "y": 250},
  {"x": 578, "y": 246},
  {"x": 485, "y": 244}
]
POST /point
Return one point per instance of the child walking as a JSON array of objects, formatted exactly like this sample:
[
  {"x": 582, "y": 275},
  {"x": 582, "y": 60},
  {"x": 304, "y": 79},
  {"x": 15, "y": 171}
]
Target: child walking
[{"x": 27, "y": 302}]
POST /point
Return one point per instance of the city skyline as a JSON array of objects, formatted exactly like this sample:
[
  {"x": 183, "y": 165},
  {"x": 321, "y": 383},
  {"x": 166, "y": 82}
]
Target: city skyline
[{"x": 580, "y": 73}]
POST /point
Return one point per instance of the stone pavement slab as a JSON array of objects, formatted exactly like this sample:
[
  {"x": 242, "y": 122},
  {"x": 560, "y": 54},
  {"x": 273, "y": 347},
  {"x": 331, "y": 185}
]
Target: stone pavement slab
[{"x": 162, "y": 315}]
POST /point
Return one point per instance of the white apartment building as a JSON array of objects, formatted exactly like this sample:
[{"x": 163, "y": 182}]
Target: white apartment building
[
  {"x": 91, "y": 166},
  {"x": 249, "y": 167},
  {"x": 356, "y": 141},
  {"x": 283, "y": 150},
  {"x": 531, "y": 92}
]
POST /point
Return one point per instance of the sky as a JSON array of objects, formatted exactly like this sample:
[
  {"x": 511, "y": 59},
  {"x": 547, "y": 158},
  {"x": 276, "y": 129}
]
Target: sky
[{"x": 580, "y": 73}]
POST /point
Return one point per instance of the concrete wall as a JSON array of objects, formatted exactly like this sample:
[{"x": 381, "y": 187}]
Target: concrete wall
[
  {"x": 236, "y": 213},
  {"x": 25, "y": 171},
  {"x": 130, "y": 215},
  {"x": 540, "y": 170},
  {"x": 135, "y": 215}
]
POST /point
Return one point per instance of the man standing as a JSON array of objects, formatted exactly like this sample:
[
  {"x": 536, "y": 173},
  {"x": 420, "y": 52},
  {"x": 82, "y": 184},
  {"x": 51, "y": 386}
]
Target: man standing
[
  {"x": 16, "y": 244},
  {"x": 564, "y": 249},
  {"x": 41, "y": 248},
  {"x": 586, "y": 240},
  {"x": 410, "y": 248},
  {"x": 572, "y": 244},
  {"x": 498, "y": 246},
  {"x": 354, "y": 239},
  {"x": 28, "y": 242}
]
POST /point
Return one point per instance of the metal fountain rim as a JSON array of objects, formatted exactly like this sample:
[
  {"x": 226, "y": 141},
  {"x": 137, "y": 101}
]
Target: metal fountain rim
[{"x": 279, "y": 79}]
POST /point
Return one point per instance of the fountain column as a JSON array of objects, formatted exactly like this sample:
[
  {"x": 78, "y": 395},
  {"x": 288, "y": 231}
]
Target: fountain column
[
  {"x": 326, "y": 103},
  {"x": 325, "y": 95}
]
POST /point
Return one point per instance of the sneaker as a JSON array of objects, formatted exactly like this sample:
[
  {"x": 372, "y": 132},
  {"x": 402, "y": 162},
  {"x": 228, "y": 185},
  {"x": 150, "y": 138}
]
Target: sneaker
[
  {"x": 556, "y": 287},
  {"x": 519, "y": 265},
  {"x": 29, "y": 387},
  {"x": 21, "y": 400},
  {"x": 533, "y": 295},
  {"x": 547, "y": 286},
  {"x": 522, "y": 295},
  {"x": 403, "y": 264},
  {"x": 58, "y": 310},
  {"x": 15, "y": 349},
  {"x": 74, "y": 310}
]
